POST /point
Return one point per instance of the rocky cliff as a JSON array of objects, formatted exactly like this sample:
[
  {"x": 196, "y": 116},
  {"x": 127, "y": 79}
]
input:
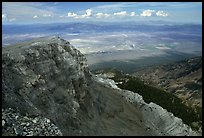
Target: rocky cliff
[{"x": 49, "y": 78}]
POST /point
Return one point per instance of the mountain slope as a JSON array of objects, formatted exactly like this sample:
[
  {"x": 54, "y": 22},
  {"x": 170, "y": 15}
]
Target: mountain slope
[
  {"x": 48, "y": 77},
  {"x": 190, "y": 115},
  {"x": 183, "y": 78}
]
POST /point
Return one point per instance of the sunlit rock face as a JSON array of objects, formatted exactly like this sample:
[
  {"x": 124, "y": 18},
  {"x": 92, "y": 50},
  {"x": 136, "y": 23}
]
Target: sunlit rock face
[{"x": 48, "y": 77}]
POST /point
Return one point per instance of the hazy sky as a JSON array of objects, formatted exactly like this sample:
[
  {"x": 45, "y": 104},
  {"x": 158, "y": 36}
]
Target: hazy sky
[{"x": 51, "y": 12}]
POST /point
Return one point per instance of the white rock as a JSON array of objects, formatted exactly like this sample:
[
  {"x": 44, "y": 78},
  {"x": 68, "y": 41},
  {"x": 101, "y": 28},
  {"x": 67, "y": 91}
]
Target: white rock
[
  {"x": 34, "y": 120},
  {"x": 48, "y": 120},
  {"x": 75, "y": 105},
  {"x": 3, "y": 122}
]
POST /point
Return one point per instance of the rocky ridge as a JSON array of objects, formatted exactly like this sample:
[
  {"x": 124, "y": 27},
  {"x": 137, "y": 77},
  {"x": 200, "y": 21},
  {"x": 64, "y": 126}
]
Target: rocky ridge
[{"x": 50, "y": 78}]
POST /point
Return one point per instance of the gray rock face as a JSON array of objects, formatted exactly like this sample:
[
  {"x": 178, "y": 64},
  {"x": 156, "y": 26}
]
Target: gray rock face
[
  {"x": 44, "y": 77},
  {"x": 15, "y": 124},
  {"x": 50, "y": 78}
]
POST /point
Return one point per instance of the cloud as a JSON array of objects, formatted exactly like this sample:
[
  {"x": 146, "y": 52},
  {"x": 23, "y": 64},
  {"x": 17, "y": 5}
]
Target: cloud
[
  {"x": 99, "y": 11},
  {"x": 6, "y": 18},
  {"x": 88, "y": 12},
  {"x": 101, "y": 15},
  {"x": 3, "y": 16},
  {"x": 122, "y": 13},
  {"x": 147, "y": 13},
  {"x": 35, "y": 17},
  {"x": 80, "y": 16},
  {"x": 47, "y": 15},
  {"x": 161, "y": 13},
  {"x": 132, "y": 14},
  {"x": 70, "y": 14},
  {"x": 12, "y": 19},
  {"x": 150, "y": 13},
  {"x": 26, "y": 12}
]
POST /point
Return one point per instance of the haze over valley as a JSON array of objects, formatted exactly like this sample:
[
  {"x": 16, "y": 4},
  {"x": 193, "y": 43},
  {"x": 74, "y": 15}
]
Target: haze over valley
[{"x": 105, "y": 42}]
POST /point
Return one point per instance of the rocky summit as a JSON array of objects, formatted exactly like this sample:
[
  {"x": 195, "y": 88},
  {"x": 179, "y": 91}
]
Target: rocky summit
[{"x": 47, "y": 82}]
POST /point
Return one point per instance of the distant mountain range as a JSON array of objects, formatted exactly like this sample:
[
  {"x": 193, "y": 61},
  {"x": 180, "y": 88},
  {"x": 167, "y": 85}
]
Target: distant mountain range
[{"x": 99, "y": 27}]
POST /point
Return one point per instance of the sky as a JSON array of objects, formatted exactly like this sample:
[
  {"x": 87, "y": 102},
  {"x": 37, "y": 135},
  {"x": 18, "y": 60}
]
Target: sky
[{"x": 56, "y": 12}]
